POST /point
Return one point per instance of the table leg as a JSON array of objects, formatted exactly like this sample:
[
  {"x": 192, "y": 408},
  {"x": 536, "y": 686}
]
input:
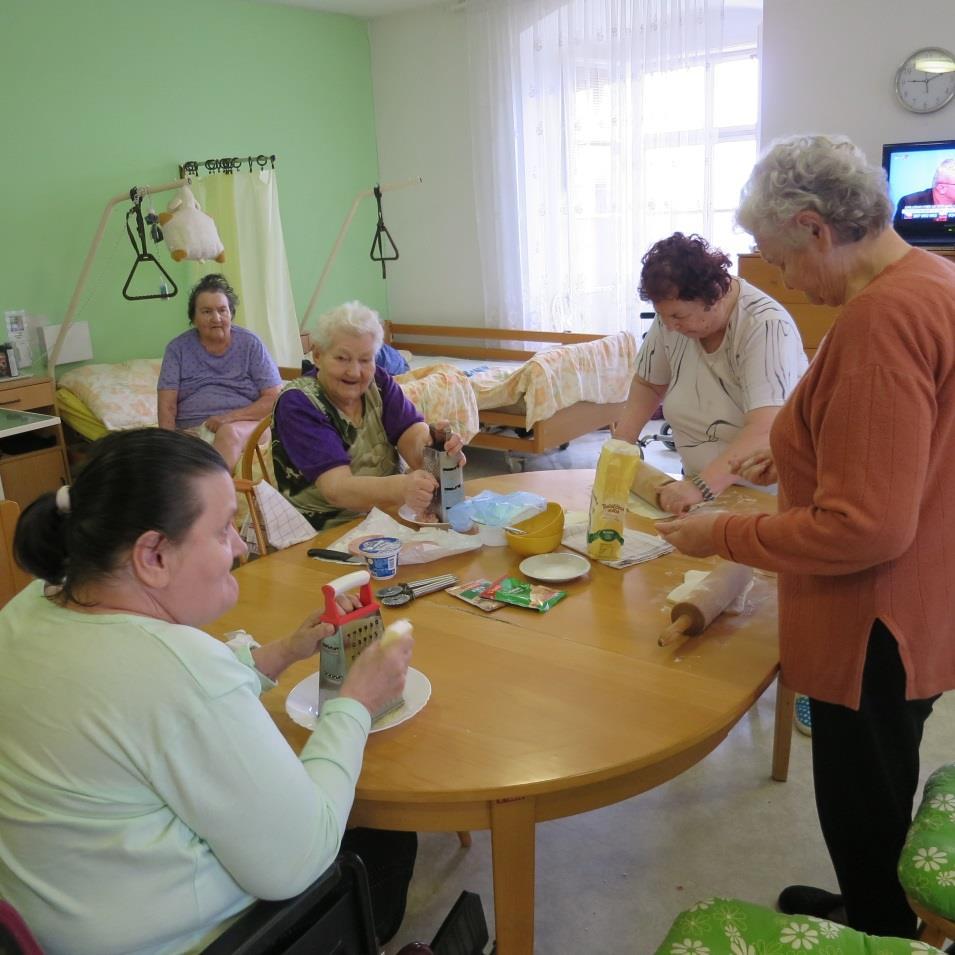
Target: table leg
[
  {"x": 783, "y": 732},
  {"x": 512, "y": 848}
]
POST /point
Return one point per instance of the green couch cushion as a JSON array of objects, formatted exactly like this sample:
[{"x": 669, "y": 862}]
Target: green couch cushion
[
  {"x": 927, "y": 862},
  {"x": 731, "y": 927}
]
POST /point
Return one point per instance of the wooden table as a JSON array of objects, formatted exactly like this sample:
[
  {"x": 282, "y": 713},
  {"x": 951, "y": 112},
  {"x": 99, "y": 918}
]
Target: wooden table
[{"x": 533, "y": 716}]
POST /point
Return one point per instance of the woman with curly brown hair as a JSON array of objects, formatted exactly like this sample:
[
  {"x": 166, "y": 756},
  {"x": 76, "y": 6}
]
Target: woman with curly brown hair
[{"x": 721, "y": 355}]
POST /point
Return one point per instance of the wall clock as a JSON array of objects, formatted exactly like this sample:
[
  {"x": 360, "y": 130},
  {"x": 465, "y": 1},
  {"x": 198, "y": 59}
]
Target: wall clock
[{"x": 925, "y": 82}]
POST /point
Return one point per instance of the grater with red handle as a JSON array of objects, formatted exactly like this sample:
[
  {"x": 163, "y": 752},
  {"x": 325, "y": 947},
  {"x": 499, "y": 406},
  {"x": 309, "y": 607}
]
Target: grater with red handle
[{"x": 355, "y": 631}]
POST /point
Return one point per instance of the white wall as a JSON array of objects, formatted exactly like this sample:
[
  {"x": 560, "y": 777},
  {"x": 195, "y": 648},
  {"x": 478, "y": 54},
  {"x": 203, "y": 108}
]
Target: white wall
[
  {"x": 419, "y": 76},
  {"x": 828, "y": 66}
]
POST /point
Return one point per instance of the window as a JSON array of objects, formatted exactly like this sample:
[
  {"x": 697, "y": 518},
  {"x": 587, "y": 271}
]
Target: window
[
  {"x": 696, "y": 159},
  {"x": 613, "y": 125}
]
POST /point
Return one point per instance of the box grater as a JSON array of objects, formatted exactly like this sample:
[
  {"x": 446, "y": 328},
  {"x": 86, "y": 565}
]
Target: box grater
[
  {"x": 447, "y": 471},
  {"x": 354, "y": 631}
]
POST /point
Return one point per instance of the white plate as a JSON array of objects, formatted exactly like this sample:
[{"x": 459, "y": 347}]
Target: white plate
[
  {"x": 555, "y": 567},
  {"x": 305, "y": 701},
  {"x": 406, "y": 514}
]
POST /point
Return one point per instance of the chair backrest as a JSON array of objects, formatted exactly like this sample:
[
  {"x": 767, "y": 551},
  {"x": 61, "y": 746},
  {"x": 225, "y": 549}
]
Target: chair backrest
[
  {"x": 15, "y": 937},
  {"x": 252, "y": 452},
  {"x": 331, "y": 915},
  {"x": 12, "y": 578}
]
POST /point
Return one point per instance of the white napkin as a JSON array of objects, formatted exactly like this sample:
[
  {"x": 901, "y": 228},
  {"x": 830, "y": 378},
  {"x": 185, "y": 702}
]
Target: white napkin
[
  {"x": 283, "y": 523},
  {"x": 637, "y": 546},
  {"x": 417, "y": 547},
  {"x": 692, "y": 577}
]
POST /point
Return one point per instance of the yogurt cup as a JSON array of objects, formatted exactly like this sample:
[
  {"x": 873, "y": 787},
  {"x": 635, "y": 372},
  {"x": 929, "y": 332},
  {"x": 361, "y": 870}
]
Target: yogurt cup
[
  {"x": 491, "y": 535},
  {"x": 382, "y": 556}
]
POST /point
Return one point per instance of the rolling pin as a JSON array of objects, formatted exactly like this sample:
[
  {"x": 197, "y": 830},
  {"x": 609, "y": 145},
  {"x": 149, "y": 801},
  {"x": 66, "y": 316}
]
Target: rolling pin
[
  {"x": 706, "y": 601},
  {"x": 647, "y": 483}
]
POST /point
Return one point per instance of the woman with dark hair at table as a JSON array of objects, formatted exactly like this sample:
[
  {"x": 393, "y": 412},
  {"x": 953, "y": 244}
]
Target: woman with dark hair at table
[
  {"x": 864, "y": 541},
  {"x": 721, "y": 356},
  {"x": 146, "y": 795}
]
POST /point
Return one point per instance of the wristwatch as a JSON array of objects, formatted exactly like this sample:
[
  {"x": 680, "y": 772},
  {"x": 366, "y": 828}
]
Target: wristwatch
[{"x": 703, "y": 488}]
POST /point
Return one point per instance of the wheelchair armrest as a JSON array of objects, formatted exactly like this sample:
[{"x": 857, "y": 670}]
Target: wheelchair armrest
[{"x": 270, "y": 928}]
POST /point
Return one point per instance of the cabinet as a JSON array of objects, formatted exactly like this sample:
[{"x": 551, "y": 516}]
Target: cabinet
[
  {"x": 27, "y": 474},
  {"x": 813, "y": 321}
]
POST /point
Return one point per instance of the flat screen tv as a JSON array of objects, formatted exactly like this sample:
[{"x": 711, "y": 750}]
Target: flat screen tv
[{"x": 923, "y": 215}]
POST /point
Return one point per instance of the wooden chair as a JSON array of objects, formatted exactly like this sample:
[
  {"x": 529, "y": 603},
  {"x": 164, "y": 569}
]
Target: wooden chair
[
  {"x": 245, "y": 483},
  {"x": 12, "y": 578}
]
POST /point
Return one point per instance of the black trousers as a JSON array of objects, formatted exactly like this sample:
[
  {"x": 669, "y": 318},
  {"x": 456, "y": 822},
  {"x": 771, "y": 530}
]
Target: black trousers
[
  {"x": 389, "y": 858},
  {"x": 865, "y": 767}
]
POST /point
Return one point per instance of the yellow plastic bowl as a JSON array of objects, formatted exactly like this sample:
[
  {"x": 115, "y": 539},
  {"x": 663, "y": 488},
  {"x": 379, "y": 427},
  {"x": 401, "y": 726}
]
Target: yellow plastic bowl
[{"x": 542, "y": 532}]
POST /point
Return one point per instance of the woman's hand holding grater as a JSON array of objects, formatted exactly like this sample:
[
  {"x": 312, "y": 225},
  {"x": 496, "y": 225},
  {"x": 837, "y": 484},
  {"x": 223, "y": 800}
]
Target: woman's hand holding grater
[
  {"x": 378, "y": 675},
  {"x": 273, "y": 658},
  {"x": 419, "y": 488}
]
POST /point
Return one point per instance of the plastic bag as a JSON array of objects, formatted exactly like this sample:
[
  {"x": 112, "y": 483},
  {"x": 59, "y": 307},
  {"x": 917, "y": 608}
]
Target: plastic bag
[{"x": 495, "y": 510}]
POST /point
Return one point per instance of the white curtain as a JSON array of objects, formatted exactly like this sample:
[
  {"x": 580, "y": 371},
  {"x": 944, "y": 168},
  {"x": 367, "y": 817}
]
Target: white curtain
[
  {"x": 595, "y": 133},
  {"x": 245, "y": 206}
]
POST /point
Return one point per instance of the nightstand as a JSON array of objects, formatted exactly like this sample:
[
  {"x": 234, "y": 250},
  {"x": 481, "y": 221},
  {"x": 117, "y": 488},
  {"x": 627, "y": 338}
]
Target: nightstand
[{"x": 26, "y": 474}]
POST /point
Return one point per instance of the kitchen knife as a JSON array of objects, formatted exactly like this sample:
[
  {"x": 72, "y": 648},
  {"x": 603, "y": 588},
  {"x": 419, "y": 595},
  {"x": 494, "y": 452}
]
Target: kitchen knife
[{"x": 338, "y": 556}]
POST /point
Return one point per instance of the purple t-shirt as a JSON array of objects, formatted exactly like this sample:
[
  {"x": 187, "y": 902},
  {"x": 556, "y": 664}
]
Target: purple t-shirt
[
  {"x": 214, "y": 384},
  {"x": 311, "y": 441}
]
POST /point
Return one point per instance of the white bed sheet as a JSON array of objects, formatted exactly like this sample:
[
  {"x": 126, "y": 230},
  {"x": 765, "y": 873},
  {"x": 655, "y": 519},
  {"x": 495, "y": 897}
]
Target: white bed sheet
[{"x": 469, "y": 366}]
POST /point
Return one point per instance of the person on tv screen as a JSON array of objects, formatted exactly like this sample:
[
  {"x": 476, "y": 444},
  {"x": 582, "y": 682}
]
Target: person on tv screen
[{"x": 941, "y": 193}]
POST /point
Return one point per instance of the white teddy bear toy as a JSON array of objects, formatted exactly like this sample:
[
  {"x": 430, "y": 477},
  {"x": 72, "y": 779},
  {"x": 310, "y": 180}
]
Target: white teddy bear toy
[{"x": 189, "y": 232}]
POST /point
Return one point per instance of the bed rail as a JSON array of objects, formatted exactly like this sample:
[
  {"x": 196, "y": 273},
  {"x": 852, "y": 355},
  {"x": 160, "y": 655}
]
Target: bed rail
[{"x": 440, "y": 340}]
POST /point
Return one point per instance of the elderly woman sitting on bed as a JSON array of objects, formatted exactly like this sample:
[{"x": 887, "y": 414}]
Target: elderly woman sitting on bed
[
  {"x": 338, "y": 433},
  {"x": 217, "y": 380},
  {"x": 722, "y": 356}
]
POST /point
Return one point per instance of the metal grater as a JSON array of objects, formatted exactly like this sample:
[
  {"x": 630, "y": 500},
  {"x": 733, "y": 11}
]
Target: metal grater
[
  {"x": 354, "y": 631},
  {"x": 447, "y": 471}
]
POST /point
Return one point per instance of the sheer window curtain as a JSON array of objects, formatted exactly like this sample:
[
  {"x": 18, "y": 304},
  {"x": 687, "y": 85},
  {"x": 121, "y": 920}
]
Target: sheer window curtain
[
  {"x": 592, "y": 125},
  {"x": 245, "y": 206}
]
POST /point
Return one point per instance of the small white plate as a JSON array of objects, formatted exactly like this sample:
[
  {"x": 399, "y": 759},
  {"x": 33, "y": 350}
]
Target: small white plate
[
  {"x": 555, "y": 567},
  {"x": 406, "y": 514},
  {"x": 305, "y": 701}
]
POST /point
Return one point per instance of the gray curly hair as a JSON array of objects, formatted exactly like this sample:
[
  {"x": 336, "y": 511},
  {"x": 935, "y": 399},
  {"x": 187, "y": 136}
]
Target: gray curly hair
[
  {"x": 350, "y": 319},
  {"x": 826, "y": 174}
]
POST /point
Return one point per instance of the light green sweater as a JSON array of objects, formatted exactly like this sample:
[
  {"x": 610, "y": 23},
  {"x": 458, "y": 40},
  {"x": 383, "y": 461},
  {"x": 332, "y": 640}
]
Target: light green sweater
[{"x": 145, "y": 793}]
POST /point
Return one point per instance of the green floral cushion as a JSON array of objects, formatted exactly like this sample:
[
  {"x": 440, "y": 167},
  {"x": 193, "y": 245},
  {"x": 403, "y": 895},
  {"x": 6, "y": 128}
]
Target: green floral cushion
[
  {"x": 927, "y": 863},
  {"x": 731, "y": 927}
]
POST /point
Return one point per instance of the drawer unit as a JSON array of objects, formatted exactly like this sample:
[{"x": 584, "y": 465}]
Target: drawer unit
[{"x": 25, "y": 472}]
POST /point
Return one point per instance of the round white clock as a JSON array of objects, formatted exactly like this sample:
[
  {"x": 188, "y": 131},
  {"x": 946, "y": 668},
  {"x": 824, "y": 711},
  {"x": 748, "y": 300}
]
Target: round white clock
[{"x": 925, "y": 82}]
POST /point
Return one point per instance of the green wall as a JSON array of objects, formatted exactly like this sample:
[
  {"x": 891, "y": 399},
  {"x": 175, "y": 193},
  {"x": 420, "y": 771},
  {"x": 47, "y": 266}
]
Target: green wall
[{"x": 99, "y": 95}]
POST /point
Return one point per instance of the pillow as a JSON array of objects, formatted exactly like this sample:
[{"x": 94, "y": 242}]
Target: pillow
[
  {"x": 732, "y": 927},
  {"x": 122, "y": 395},
  {"x": 391, "y": 360}
]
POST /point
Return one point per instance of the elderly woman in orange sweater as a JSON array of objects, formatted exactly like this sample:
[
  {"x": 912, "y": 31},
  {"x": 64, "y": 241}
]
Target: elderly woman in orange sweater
[{"x": 864, "y": 540}]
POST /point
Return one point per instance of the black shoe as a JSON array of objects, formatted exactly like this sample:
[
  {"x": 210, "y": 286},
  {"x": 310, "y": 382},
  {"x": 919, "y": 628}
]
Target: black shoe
[{"x": 808, "y": 900}]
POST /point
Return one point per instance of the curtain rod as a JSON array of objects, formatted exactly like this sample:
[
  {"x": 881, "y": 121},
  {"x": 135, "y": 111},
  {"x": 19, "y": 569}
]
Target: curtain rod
[{"x": 226, "y": 165}]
